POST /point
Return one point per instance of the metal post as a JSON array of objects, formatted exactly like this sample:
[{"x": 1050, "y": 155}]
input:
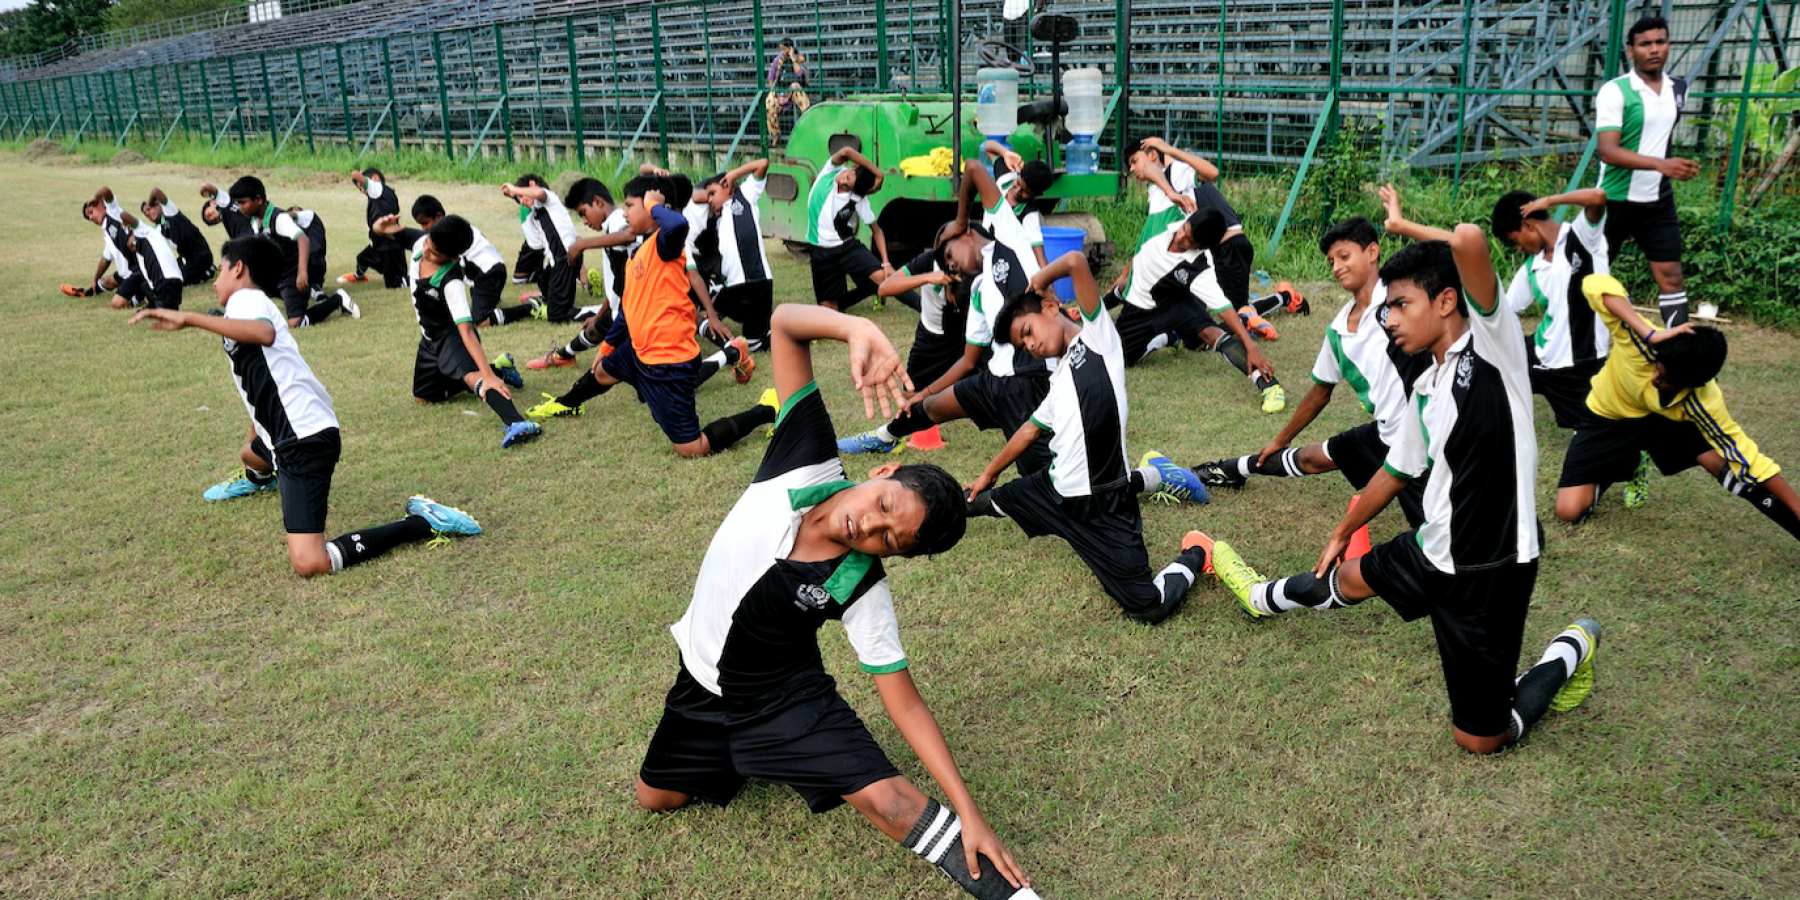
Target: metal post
[
  {"x": 1462, "y": 97},
  {"x": 712, "y": 128},
  {"x": 344, "y": 98},
  {"x": 953, "y": 59},
  {"x": 1335, "y": 80},
  {"x": 1123, "y": 62},
  {"x": 87, "y": 82},
  {"x": 137, "y": 100},
  {"x": 305, "y": 102},
  {"x": 156, "y": 88},
  {"x": 505, "y": 93},
  {"x": 237, "y": 106},
  {"x": 269, "y": 102},
  {"x": 881, "y": 46},
  {"x": 662, "y": 108},
  {"x": 437, "y": 54},
  {"x": 1728, "y": 199},
  {"x": 756, "y": 59},
  {"x": 212, "y": 122},
  {"x": 387, "y": 67},
  {"x": 1219, "y": 95},
  {"x": 612, "y": 44},
  {"x": 575, "y": 96}
]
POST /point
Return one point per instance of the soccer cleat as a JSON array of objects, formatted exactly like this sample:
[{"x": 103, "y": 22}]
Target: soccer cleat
[
  {"x": 74, "y": 291},
  {"x": 444, "y": 519},
  {"x": 1178, "y": 484},
  {"x": 771, "y": 400},
  {"x": 745, "y": 366},
  {"x": 878, "y": 304},
  {"x": 868, "y": 442},
  {"x": 521, "y": 278},
  {"x": 1199, "y": 539},
  {"x": 1296, "y": 304},
  {"x": 552, "y": 408},
  {"x": 1637, "y": 490},
  {"x": 349, "y": 306},
  {"x": 596, "y": 285},
  {"x": 1586, "y": 633},
  {"x": 1274, "y": 399},
  {"x": 1257, "y": 325},
  {"x": 549, "y": 360},
  {"x": 534, "y": 301},
  {"x": 352, "y": 278},
  {"x": 240, "y": 486},
  {"x": 1220, "y": 473},
  {"x": 1233, "y": 572},
  {"x": 520, "y": 432},
  {"x": 509, "y": 373}
]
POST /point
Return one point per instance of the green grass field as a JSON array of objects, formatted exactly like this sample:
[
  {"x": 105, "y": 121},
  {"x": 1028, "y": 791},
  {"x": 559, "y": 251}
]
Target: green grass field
[{"x": 181, "y": 717}]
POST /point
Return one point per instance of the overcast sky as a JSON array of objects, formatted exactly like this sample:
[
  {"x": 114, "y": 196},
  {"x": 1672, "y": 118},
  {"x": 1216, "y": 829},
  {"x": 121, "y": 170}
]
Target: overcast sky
[{"x": 13, "y": 4}]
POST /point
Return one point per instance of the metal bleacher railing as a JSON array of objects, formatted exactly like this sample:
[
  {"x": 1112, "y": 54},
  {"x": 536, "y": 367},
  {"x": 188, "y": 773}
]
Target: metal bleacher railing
[{"x": 1272, "y": 83}]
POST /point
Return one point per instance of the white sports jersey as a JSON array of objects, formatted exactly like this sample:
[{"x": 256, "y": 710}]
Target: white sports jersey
[
  {"x": 1030, "y": 219},
  {"x": 113, "y": 235},
  {"x": 1645, "y": 120},
  {"x": 155, "y": 254},
  {"x": 1472, "y": 429},
  {"x": 548, "y": 227},
  {"x": 1181, "y": 177},
  {"x": 931, "y": 296},
  {"x": 696, "y": 215},
  {"x": 278, "y": 222},
  {"x": 1567, "y": 334},
  {"x": 440, "y": 302},
  {"x": 613, "y": 272},
  {"x": 743, "y": 258},
  {"x": 1156, "y": 268},
  {"x": 283, "y": 397},
  {"x": 1368, "y": 360},
  {"x": 1007, "y": 265},
  {"x": 831, "y": 214},
  {"x": 1086, "y": 410},
  {"x": 481, "y": 255}
]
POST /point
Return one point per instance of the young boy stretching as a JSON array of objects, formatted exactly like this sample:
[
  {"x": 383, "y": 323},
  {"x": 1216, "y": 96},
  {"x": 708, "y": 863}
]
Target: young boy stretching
[
  {"x": 384, "y": 254},
  {"x": 195, "y": 253},
  {"x": 548, "y": 231},
  {"x": 801, "y": 547},
  {"x": 294, "y": 440},
  {"x": 302, "y": 268},
  {"x": 483, "y": 267},
  {"x": 126, "y": 282},
  {"x": 1089, "y": 495},
  {"x": 838, "y": 200},
  {"x": 1473, "y": 564}
]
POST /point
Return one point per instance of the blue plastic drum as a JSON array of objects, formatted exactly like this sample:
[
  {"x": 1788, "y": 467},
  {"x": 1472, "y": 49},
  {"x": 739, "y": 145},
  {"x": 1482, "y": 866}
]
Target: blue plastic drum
[{"x": 1058, "y": 241}]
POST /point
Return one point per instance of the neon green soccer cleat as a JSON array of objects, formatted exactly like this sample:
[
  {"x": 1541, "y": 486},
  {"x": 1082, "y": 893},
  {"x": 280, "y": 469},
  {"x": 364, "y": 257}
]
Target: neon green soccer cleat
[
  {"x": 1274, "y": 399},
  {"x": 1586, "y": 633},
  {"x": 552, "y": 409},
  {"x": 1637, "y": 490},
  {"x": 1230, "y": 569}
]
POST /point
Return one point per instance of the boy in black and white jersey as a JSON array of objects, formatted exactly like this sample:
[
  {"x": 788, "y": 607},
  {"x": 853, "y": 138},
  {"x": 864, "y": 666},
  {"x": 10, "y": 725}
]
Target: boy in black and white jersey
[
  {"x": 190, "y": 244},
  {"x": 1089, "y": 495},
  {"x": 547, "y": 228},
  {"x": 591, "y": 201},
  {"x": 304, "y": 268},
  {"x": 1356, "y": 351},
  {"x": 839, "y": 199},
  {"x": 219, "y": 210},
  {"x": 483, "y": 267},
  {"x": 1023, "y": 183},
  {"x": 1473, "y": 564},
  {"x": 801, "y": 547},
  {"x": 383, "y": 254},
  {"x": 1172, "y": 288},
  {"x": 126, "y": 282},
  {"x": 748, "y": 292},
  {"x": 294, "y": 440},
  {"x": 157, "y": 263}
]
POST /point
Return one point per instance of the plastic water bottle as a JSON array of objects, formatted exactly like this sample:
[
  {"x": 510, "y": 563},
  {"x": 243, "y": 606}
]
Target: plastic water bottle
[
  {"x": 1081, "y": 156},
  {"x": 997, "y": 103}
]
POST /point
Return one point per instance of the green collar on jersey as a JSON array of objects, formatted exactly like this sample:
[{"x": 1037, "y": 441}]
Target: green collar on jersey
[
  {"x": 856, "y": 563},
  {"x": 437, "y": 278}
]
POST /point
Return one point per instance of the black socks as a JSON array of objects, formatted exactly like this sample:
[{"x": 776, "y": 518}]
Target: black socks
[
  {"x": 258, "y": 478},
  {"x": 323, "y": 309},
  {"x": 1764, "y": 500},
  {"x": 1673, "y": 306},
  {"x": 1239, "y": 355},
  {"x": 937, "y": 837},
  {"x": 503, "y": 315},
  {"x": 912, "y": 421},
  {"x": 503, "y": 407},
  {"x": 721, "y": 434},
  {"x": 586, "y": 339},
  {"x": 1172, "y": 585},
  {"x": 362, "y": 546},
  {"x": 711, "y": 365},
  {"x": 1285, "y": 464},
  {"x": 586, "y": 388}
]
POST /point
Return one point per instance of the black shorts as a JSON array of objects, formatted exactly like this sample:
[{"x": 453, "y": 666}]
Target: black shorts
[
  {"x": 751, "y": 303},
  {"x": 933, "y": 354},
  {"x": 831, "y": 265},
  {"x": 1359, "y": 453},
  {"x": 197, "y": 269},
  {"x": 1479, "y": 619},
  {"x": 816, "y": 745},
  {"x": 1235, "y": 259},
  {"x": 1106, "y": 531},
  {"x": 440, "y": 367},
  {"x": 1566, "y": 390},
  {"x": 484, "y": 293},
  {"x": 303, "y": 470},
  {"x": 667, "y": 388},
  {"x": 557, "y": 284},
  {"x": 132, "y": 289},
  {"x": 1606, "y": 451},
  {"x": 295, "y": 301},
  {"x": 1138, "y": 326},
  {"x": 1654, "y": 226},
  {"x": 165, "y": 294},
  {"x": 991, "y": 402}
]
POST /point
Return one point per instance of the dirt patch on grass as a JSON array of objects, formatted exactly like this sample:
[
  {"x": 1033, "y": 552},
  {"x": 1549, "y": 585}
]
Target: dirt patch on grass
[
  {"x": 41, "y": 148},
  {"x": 128, "y": 158}
]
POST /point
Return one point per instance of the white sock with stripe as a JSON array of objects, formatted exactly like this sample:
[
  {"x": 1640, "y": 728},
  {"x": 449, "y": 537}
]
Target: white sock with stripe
[
  {"x": 937, "y": 836},
  {"x": 1673, "y": 306}
]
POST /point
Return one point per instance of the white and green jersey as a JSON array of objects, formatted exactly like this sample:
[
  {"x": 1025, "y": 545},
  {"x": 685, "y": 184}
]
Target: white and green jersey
[
  {"x": 1162, "y": 210},
  {"x": 1567, "y": 335},
  {"x": 1645, "y": 120},
  {"x": 1369, "y": 361},
  {"x": 831, "y": 214}
]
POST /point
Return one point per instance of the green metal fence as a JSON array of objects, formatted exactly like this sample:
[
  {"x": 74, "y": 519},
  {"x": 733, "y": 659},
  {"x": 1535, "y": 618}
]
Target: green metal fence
[{"x": 1272, "y": 85}]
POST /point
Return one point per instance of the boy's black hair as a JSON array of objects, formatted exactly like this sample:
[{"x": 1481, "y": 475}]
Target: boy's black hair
[
  {"x": 427, "y": 207},
  {"x": 585, "y": 191},
  {"x": 1356, "y": 229},
  {"x": 1506, "y": 219},
  {"x": 1431, "y": 266},
  {"x": 946, "y": 511},
  {"x": 862, "y": 182},
  {"x": 708, "y": 183},
  {"x": 1647, "y": 23},
  {"x": 372, "y": 172},
  {"x": 1208, "y": 227},
  {"x": 90, "y": 204},
  {"x": 1136, "y": 147},
  {"x": 1692, "y": 360},
  {"x": 643, "y": 184},
  {"x": 452, "y": 236},
  {"x": 248, "y": 187},
  {"x": 785, "y": 42},
  {"x": 1037, "y": 176},
  {"x": 680, "y": 186},
  {"x": 531, "y": 179},
  {"x": 260, "y": 256},
  {"x": 1022, "y": 303},
  {"x": 946, "y": 233}
]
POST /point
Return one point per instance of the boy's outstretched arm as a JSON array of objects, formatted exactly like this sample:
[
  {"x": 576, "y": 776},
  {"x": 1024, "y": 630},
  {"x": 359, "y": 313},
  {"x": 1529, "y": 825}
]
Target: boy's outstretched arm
[
  {"x": 1381, "y": 490},
  {"x": 980, "y": 181},
  {"x": 907, "y": 710},
  {"x": 757, "y": 167},
  {"x": 1203, "y": 169},
  {"x": 1009, "y": 454},
  {"x": 1398, "y": 223},
  {"x": 1311, "y": 404},
  {"x": 900, "y": 282},
  {"x": 1475, "y": 263},
  {"x": 1072, "y": 265},
  {"x": 529, "y": 194},
  {"x": 244, "y": 331},
  {"x": 1591, "y": 200},
  {"x": 875, "y": 366}
]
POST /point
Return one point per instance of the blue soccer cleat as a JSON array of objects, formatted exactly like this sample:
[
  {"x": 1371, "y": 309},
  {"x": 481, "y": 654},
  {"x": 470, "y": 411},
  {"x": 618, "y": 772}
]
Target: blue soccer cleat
[
  {"x": 239, "y": 486},
  {"x": 443, "y": 519},
  {"x": 509, "y": 373},
  {"x": 1178, "y": 483},
  {"x": 520, "y": 432},
  {"x": 868, "y": 442}
]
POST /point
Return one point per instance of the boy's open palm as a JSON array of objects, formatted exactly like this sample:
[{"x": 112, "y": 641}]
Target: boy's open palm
[
  {"x": 877, "y": 371},
  {"x": 980, "y": 840},
  {"x": 161, "y": 319}
]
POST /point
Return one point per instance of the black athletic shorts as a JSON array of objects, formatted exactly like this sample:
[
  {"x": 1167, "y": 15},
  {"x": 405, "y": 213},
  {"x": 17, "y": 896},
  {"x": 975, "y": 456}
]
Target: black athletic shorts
[
  {"x": 991, "y": 401},
  {"x": 706, "y": 747},
  {"x": 667, "y": 388},
  {"x": 295, "y": 301},
  {"x": 831, "y": 265},
  {"x": 132, "y": 289},
  {"x": 1566, "y": 390},
  {"x": 1479, "y": 619},
  {"x": 1654, "y": 226},
  {"x": 1235, "y": 259},
  {"x": 1106, "y": 531},
  {"x": 198, "y": 270},
  {"x": 751, "y": 304},
  {"x": 557, "y": 285},
  {"x": 1606, "y": 451},
  {"x": 484, "y": 293},
  {"x": 1137, "y": 326},
  {"x": 933, "y": 354},
  {"x": 303, "y": 470},
  {"x": 165, "y": 294},
  {"x": 1360, "y": 452},
  {"x": 440, "y": 367}
]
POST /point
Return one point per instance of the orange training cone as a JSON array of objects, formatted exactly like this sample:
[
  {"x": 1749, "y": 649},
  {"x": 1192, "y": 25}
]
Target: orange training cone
[
  {"x": 1359, "y": 542},
  {"x": 929, "y": 439}
]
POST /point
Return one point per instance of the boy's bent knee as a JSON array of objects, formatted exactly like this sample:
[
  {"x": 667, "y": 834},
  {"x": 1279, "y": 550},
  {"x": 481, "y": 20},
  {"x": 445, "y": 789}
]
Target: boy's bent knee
[
  {"x": 1481, "y": 746},
  {"x": 659, "y": 800}
]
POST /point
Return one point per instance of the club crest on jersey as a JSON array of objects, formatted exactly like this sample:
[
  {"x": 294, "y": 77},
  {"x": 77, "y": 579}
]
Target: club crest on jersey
[
  {"x": 1465, "y": 370},
  {"x": 737, "y": 207},
  {"x": 1002, "y": 271},
  {"x": 1183, "y": 276},
  {"x": 811, "y": 596},
  {"x": 1078, "y": 352}
]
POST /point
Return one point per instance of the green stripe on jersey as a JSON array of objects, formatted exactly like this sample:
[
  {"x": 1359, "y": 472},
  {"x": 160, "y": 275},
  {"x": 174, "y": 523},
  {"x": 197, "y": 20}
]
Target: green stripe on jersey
[
  {"x": 1617, "y": 182},
  {"x": 888, "y": 669},
  {"x": 1358, "y": 381},
  {"x": 815, "y": 204}
]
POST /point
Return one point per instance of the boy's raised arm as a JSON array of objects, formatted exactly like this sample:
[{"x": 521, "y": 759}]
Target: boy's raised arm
[
  {"x": 875, "y": 366},
  {"x": 1475, "y": 263}
]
